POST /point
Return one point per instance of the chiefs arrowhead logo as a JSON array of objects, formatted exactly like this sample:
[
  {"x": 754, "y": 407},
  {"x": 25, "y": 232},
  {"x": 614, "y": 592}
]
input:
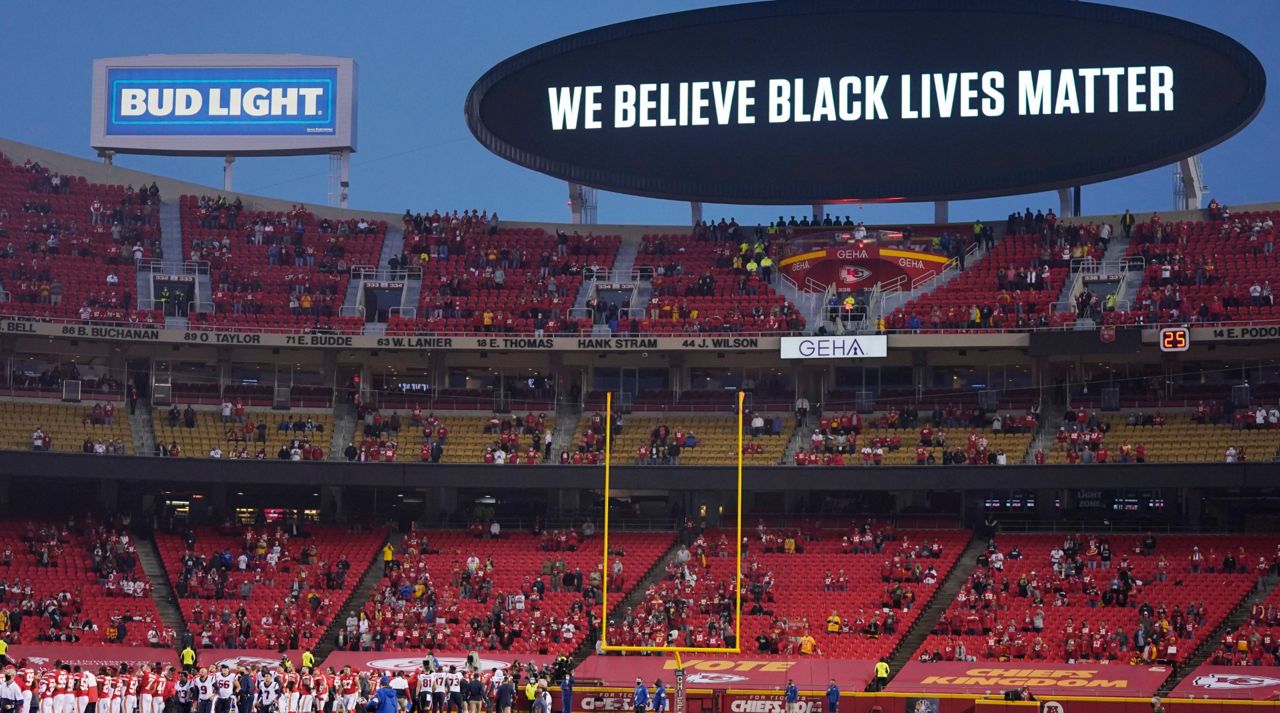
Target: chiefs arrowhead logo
[
  {"x": 1226, "y": 681},
  {"x": 851, "y": 274}
]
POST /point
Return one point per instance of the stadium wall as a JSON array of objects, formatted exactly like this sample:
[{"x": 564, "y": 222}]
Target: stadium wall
[{"x": 200, "y": 471}]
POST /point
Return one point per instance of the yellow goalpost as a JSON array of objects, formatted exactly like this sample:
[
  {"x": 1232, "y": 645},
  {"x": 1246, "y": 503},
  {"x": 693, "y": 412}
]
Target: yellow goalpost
[{"x": 737, "y": 620}]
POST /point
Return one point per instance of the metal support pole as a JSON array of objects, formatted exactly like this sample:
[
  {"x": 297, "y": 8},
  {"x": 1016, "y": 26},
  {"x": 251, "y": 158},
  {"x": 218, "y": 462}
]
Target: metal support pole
[
  {"x": 695, "y": 209},
  {"x": 228, "y": 170},
  {"x": 941, "y": 212},
  {"x": 345, "y": 184}
]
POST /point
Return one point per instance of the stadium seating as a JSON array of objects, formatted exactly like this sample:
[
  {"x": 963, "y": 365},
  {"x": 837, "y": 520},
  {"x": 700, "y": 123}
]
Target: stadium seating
[
  {"x": 276, "y": 270},
  {"x": 1179, "y": 440},
  {"x": 799, "y": 591},
  {"x": 697, "y": 288},
  {"x": 715, "y": 439},
  {"x": 466, "y": 439},
  {"x": 951, "y": 306},
  {"x": 1254, "y": 643},
  {"x": 993, "y": 623},
  {"x": 435, "y": 569},
  {"x": 68, "y": 427},
  {"x": 210, "y": 431},
  {"x": 460, "y": 260},
  {"x": 294, "y": 585},
  {"x": 69, "y": 249},
  {"x": 72, "y": 601},
  {"x": 1202, "y": 272}
]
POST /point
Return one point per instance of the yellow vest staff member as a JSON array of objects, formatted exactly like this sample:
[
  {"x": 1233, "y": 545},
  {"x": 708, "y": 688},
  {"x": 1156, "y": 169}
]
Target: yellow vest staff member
[
  {"x": 4, "y": 652},
  {"x": 188, "y": 656},
  {"x": 388, "y": 554},
  {"x": 308, "y": 659},
  {"x": 882, "y": 675}
]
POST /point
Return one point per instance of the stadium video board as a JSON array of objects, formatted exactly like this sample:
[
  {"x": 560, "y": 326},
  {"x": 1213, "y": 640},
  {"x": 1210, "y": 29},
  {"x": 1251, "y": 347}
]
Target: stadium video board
[
  {"x": 829, "y": 100},
  {"x": 224, "y": 104}
]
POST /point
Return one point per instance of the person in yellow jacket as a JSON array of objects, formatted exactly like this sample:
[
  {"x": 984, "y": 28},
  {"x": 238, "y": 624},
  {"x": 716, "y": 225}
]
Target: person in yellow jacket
[
  {"x": 308, "y": 659},
  {"x": 388, "y": 554},
  {"x": 188, "y": 658}
]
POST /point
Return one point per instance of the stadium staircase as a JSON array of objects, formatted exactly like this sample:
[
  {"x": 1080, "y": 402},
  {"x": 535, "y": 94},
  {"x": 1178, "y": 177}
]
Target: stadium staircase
[
  {"x": 392, "y": 246},
  {"x": 631, "y": 599},
  {"x": 354, "y": 603},
  {"x": 937, "y": 605},
  {"x": 1233, "y": 621},
  {"x": 344, "y": 430},
  {"x": 161, "y": 591},
  {"x": 171, "y": 232},
  {"x": 141, "y": 430},
  {"x": 810, "y": 304},
  {"x": 1111, "y": 262},
  {"x": 567, "y": 417},
  {"x": 893, "y": 300},
  {"x": 1052, "y": 406},
  {"x": 799, "y": 439},
  {"x": 145, "y": 294}
]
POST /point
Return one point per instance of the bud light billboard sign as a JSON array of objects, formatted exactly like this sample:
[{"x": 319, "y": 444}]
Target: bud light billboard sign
[
  {"x": 225, "y": 101},
  {"x": 224, "y": 104}
]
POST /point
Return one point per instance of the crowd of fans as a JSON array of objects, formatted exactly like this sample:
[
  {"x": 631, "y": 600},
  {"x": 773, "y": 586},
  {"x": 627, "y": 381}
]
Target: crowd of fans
[
  {"x": 416, "y": 608},
  {"x": 1012, "y": 615},
  {"x": 33, "y": 610},
  {"x": 226, "y": 578},
  {"x": 112, "y": 233}
]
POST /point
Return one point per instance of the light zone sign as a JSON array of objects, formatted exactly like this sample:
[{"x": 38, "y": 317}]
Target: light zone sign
[{"x": 227, "y": 101}]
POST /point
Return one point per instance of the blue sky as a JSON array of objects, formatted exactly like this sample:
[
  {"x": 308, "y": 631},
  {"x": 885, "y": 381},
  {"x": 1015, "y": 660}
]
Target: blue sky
[{"x": 418, "y": 60}]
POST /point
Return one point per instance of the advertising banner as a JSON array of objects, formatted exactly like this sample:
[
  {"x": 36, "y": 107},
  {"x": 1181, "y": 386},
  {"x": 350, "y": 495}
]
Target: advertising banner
[
  {"x": 247, "y": 657},
  {"x": 860, "y": 347},
  {"x": 412, "y": 660},
  {"x": 218, "y": 104},
  {"x": 1044, "y": 679},
  {"x": 221, "y": 101},
  {"x": 157, "y": 334},
  {"x": 90, "y": 657},
  {"x": 1255, "y": 683},
  {"x": 732, "y": 673},
  {"x": 853, "y": 267}
]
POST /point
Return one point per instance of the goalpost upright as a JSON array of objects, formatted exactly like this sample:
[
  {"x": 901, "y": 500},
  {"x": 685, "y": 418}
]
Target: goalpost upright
[{"x": 737, "y": 555}]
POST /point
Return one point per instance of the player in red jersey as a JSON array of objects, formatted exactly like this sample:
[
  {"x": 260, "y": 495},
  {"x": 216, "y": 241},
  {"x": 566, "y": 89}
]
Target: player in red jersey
[
  {"x": 145, "y": 683},
  {"x": 349, "y": 685},
  {"x": 306, "y": 695},
  {"x": 86, "y": 690},
  {"x": 44, "y": 689},
  {"x": 289, "y": 698},
  {"x": 64, "y": 699},
  {"x": 106, "y": 690},
  {"x": 130, "y": 704}
]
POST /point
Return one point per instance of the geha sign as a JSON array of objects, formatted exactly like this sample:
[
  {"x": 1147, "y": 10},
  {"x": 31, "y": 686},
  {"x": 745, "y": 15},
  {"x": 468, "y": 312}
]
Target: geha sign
[{"x": 827, "y": 100}]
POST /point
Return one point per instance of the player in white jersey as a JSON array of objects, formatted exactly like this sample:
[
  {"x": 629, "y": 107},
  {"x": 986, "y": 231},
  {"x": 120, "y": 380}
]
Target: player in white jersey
[
  {"x": 268, "y": 694},
  {"x": 453, "y": 680},
  {"x": 225, "y": 685},
  {"x": 439, "y": 691},
  {"x": 205, "y": 692}
]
